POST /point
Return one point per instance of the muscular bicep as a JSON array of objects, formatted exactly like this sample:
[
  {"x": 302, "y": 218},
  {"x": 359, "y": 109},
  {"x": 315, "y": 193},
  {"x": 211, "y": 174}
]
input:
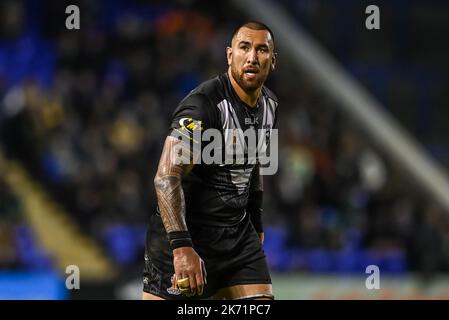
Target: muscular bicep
[
  {"x": 173, "y": 165},
  {"x": 175, "y": 158}
]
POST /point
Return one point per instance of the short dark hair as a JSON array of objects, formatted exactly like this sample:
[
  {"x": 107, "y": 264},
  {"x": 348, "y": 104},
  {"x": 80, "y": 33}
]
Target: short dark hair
[{"x": 254, "y": 25}]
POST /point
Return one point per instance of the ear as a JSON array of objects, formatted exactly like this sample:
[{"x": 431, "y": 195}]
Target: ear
[
  {"x": 273, "y": 61},
  {"x": 229, "y": 55}
]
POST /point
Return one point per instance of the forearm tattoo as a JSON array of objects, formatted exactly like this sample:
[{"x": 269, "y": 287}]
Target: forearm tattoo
[{"x": 170, "y": 196}]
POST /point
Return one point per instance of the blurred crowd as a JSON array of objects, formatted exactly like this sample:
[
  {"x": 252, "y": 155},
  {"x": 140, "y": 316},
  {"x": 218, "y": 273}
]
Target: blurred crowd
[
  {"x": 87, "y": 111},
  {"x": 10, "y": 216}
]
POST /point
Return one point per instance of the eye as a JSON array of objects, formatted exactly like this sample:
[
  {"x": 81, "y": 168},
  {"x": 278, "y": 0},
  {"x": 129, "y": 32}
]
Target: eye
[{"x": 245, "y": 48}]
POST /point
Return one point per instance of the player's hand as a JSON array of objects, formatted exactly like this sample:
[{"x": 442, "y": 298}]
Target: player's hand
[
  {"x": 261, "y": 237},
  {"x": 188, "y": 264}
]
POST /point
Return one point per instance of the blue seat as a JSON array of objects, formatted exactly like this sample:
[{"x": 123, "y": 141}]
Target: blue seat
[
  {"x": 125, "y": 243},
  {"x": 320, "y": 260},
  {"x": 278, "y": 256},
  {"x": 30, "y": 254}
]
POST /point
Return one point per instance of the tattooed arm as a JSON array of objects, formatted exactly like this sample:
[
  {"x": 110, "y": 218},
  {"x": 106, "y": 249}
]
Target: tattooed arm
[
  {"x": 170, "y": 197},
  {"x": 255, "y": 202},
  {"x": 167, "y": 182}
]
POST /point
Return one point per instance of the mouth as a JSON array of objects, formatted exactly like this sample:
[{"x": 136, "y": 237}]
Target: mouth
[{"x": 250, "y": 72}]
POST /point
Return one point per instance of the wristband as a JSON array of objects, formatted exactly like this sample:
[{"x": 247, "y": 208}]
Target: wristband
[{"x": 178, "y": 239}]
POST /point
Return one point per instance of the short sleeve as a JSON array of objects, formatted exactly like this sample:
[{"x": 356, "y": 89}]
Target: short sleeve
[{"x": 195, "y": 112}]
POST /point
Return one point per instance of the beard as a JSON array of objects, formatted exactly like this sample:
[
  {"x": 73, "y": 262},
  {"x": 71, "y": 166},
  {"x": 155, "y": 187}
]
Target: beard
[{"x": 247, "y": 86}]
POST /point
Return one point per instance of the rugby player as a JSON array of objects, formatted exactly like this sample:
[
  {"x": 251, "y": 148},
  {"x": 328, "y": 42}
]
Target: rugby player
[{"x": 205, "y": 239}]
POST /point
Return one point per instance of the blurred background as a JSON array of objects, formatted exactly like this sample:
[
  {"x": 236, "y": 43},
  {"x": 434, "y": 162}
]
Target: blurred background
[{"x": 83, "y": 114}]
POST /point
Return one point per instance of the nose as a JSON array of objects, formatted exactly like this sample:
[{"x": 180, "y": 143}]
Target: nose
[{"x": 252, "y": 56}]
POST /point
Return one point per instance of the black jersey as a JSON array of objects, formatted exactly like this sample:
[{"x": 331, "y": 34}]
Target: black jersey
[{"x": 217, "y": 194}]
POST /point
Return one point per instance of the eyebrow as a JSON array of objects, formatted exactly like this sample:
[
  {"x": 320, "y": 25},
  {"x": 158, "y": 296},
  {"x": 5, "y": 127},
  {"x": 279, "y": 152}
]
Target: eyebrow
[
  {"x": 244, "y": 42},
  {"x": 263, "y": 45}
]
